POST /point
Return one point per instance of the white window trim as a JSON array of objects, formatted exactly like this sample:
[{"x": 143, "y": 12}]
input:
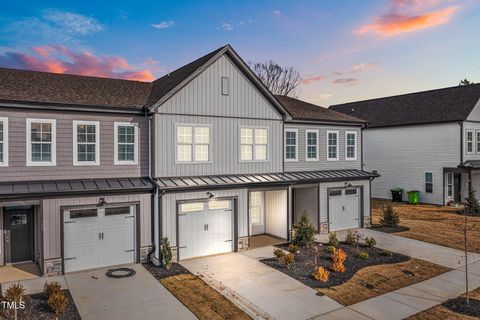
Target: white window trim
[
  {"x": 477, "y": 141},
  {"x": 53, "y": 161},
  {"x": 355, "y": 146},
  {"x": 307, "y": 131},
  {"x": 97, "y": 143},
  {"x": 136, "y": 147},
  {"x": 425, "y": 182},
  {"x": 338, "y": 145},
  {"x": 262, "y": 209},
  {"x": 4, "y": 163},
  {"x": 466, "y": 141},
  {"x": 253, "y": 143},
  {"x": 448, "y": 184},
  {"x": 285, "y": 145},
  {"x": 193, "y": 126}
]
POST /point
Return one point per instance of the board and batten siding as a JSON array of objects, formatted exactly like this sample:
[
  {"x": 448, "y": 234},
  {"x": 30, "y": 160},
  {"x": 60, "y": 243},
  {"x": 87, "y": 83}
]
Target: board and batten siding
[
  {"x": 203, "y": 95},
  {"x": 64, "y": 169},
  {"x": 322, "y": 164},
  {"x": 224, "y": 146},
  {"x": 403, "y": 154},
  {"x": 51, "y": 216}
]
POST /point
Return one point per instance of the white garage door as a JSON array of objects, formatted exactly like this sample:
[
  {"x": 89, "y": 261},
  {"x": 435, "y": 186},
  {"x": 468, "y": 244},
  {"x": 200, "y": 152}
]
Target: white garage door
[
  {"x": 98, "y": 237},
  {"x": 344, "y": 208},
  {"x": 205, "y": 228}
]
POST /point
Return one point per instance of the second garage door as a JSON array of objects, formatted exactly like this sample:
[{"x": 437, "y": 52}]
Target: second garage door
[
  {"x": 344, "y": 208},
  {"x": 205, "y": 228}
]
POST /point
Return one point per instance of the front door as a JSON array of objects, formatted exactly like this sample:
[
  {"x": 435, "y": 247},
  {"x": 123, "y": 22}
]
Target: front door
[
  {"x": 18, "y": 234},
  {"x": 457, "y": 178}
]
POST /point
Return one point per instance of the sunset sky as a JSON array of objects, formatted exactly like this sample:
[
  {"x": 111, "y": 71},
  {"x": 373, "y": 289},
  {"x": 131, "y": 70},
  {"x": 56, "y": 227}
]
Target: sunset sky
[{"x": 345, "y": 50}]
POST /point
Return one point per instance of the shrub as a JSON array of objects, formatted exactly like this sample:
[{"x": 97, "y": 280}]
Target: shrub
[
  {"x": 58, "y": 301},
  {"x": 330, "y": 249},
  {"x": 304, "y": 232},
  {"x": 350, "y": 238},
  {"x": 389, "y": 217},
  {"x": 166, "y": 252},
  {"x": 321, "y": 274},
  {"x": 292, "y": 248},
  {"x": 332, "y": 239},
  {"x": 338, "y": 256},
  {"x": 278, "y": 253},
  {"x": 363, "y": 255},
  {"x": 472, "y": 206},
  {"x": 51, "y": 288},
  {"x": 15, "y": 293},
  {"x": 287, "y": 259},
  {"x": 370, "y": 242},
  {"x": 386, "y": 253}
]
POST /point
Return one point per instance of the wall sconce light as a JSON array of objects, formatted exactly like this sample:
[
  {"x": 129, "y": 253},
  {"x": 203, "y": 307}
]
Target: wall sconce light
[
  {"x": 210, "y": 194},
  {"x": 101, "y": 202}
]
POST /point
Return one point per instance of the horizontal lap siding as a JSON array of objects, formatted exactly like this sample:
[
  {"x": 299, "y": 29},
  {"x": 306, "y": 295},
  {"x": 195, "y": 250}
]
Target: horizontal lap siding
[
  {"x": 17, "y": 169},
  {"x": 475, "y": 126}
]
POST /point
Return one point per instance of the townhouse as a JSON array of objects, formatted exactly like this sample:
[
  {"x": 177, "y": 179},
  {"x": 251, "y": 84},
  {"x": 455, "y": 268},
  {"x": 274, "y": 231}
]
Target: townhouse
[{"x": 95, "y": 171}]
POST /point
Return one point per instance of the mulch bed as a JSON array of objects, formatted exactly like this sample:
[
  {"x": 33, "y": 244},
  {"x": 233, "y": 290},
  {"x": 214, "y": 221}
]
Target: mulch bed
[
  {"x": 36, "y": 307},
  {"x": 384, "y": 229},
  {"x": 459, "y": 305},
  {"x": 304, "y": 264},
  {"x": 161, "y": 273}
]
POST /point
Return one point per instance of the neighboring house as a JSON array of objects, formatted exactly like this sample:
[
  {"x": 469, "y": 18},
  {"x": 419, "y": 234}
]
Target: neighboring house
[{"x": 427, "y": 141}]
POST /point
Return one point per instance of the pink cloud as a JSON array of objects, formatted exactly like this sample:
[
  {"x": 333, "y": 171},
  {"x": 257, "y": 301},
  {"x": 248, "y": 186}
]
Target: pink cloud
[
  {"x": 345, "y": 81},
  {"x": 60, "y": 59},
  {"x": 313, "y": 79}
]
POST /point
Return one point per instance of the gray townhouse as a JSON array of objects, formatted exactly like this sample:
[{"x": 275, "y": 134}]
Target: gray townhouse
[
  {"x": 427, "y": 141},
  {"x": 95, "y": 171}
]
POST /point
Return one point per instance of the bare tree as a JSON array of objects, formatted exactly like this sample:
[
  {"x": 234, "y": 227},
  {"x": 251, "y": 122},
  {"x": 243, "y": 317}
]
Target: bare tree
[
  {"x": 279, "y": 79},
  {"x": 465, "y": 82}
]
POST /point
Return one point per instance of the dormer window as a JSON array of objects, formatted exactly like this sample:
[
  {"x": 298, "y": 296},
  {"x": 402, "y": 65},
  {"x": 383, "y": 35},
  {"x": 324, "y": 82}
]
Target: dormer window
[{"x": 225, "y": 86}]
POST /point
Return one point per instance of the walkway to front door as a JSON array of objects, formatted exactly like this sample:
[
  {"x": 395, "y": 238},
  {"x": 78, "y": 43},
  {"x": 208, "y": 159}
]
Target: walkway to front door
[{"x": 18, "y": 222}]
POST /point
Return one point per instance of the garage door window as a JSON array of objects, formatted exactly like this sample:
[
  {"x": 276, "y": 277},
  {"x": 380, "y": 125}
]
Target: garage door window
[
  {"x": 117, "y": 211},
  {"x": 350, "y": 192},
  {"x": 219, "y": 205},
  {"x": 192, "y": 207},
  {"x": 335, "y": 193},
  {"x": 85, "y": 213}
]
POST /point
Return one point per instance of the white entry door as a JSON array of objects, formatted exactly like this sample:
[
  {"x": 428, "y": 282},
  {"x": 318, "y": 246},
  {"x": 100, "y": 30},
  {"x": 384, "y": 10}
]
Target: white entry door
[
  {"x": 98, "y": 237},
  {"x": 344, "y": 208},
  {"x": 205, "y": 228}
]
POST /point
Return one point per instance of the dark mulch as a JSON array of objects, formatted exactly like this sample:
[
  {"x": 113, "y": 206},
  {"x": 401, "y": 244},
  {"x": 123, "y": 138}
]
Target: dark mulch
[
  {"x": 304, "y": 264},
  {"x": 396, "y": 229},
  {"x": 459, "y": 305},
  {"x": 161, "y": 273},
  {"x": 36, "y": 307}
]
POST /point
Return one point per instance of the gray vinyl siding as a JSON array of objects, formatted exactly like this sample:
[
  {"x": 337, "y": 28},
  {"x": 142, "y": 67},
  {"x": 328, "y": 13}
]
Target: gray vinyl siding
[
  {"x": 402, "y": 155},
  {"x": 475, "y": 127},
  {"x": 64, "y": 169},
  {"x": 224, "y": 146},
  {"x": 203, "y": 95},
  {"x": 322, "y": 163},
  {"x": 51, "y": 212}
]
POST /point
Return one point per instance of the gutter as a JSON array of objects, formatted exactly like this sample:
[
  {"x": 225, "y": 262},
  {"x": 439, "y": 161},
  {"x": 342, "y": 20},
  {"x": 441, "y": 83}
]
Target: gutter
[{"x": 461, "y": 141}]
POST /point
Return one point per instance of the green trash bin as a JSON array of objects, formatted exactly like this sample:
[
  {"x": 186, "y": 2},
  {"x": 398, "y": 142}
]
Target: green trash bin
[{"x": 413, "y": 196}]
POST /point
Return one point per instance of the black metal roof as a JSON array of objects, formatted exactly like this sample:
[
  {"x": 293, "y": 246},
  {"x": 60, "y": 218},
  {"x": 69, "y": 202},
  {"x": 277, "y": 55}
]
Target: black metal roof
[
  {"x": 470, "y": 164},
  {"x": 261, "y": 179},
  {"x": 32, "y": 189}
]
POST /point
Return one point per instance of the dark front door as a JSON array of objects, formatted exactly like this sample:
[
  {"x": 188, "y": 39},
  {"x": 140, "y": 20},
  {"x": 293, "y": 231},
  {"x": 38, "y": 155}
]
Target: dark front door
[
  {"x": 457, "y": 186},
  {"x": 19, "y": 234}
]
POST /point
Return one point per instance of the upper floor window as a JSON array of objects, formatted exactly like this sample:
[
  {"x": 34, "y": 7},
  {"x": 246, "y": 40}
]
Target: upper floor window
[
  {"x": 478, "y": 141},
  {"x": 193, "y": 144},
  {"x": 253, "y": 144},
  {"x": 291, "y": 144},
  {"x": 3, "y": 142},
  {"x": 126, "y": 143},
  {"x": 351, "y": 145},
  {"x": 311, "y": 147},
  {"x": 332, "y": 145},
  {"x": 86, "y": 146},
  {"x": 41, "y": 142},
  {"x": 428, "y": 182},
  {"x": 469, "y": 141}
]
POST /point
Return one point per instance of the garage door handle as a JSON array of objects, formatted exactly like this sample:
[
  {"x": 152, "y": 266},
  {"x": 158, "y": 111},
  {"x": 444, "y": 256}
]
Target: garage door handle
[
  {"x": 129, "y": 217},
  {"x": 182, "y": 247},
  {"x": 70, "y": 221},
  {"x": 73, "y": 258},
  {"x": 130, "y": 250},
  {"x": 228, "y": 240}
]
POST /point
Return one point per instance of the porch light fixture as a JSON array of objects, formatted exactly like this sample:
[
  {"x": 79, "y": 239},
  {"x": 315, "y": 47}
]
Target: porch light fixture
[
  {"x": 101, "y": 202},
  {"x": 210, "y": 194}
]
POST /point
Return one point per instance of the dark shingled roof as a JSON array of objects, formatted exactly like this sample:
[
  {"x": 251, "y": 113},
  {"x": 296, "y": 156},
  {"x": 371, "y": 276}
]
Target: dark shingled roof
[
  {"x": 440, "y": 105},
  {"x": 301, "y": 110}
]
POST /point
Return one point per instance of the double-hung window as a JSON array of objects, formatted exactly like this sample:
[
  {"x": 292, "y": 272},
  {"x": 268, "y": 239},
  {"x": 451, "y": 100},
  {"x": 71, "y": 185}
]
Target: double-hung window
[
  {"x": 469, "y": 141},
  {"x": 3, "y": 142},
  {"x": 449, "y": 184},
  {"x": 193, "y": 143},
  {"x": 351, "y": 145},
  {"x": 332, "y": 145},
  {"x": 253, "y": 144},
  {"x": 41, "y": 142},
  {"x": 256, "y": 207},
  {"x": 311, "y": 145},
  {"x": 291, "y": 144},
  {"x": 126, "y": 143},
  {"x": 86, "y": 143},
  {"x": 428, "y": 182},
  {"x": 477, "y": 136}
]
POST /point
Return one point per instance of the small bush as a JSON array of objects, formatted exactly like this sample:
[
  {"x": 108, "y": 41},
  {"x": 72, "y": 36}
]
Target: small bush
[
  {"x": 287, "y": 259},
  {"x": 389, "y": 217},
  {"x": 304, "y": 232},
  {"x": 166, "y": 252},
  {"x": 332, "y": 239},
  {"x": 472, "y": 206},
  {"x": 15, "y": 293},
  {"x": 330, "y": 249},
  {"x": 386, "y": 253},
  {"x": 278, "y": 253},
  {"x": 363, "y": 255},
  {"x": 338, "y": 256},
  {"x": 350, "y": 238},
  {"x": 370, "y": 242},
  {"x": 51, "y": 288},
  {"x": 321, "y": 274},
  {"x": 292, "y": 248},
  {"x": 58, "y": 301}
]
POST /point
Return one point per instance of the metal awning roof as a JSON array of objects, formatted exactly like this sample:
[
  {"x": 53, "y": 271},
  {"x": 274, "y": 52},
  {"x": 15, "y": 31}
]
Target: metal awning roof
[
  {"x": 33, "y": 189},
  {"x": 470, "y": 164},
  {"x": 261, "y": 179}
]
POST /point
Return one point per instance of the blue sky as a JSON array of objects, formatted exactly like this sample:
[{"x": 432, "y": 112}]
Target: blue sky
[{"x": 345, "y": 50}]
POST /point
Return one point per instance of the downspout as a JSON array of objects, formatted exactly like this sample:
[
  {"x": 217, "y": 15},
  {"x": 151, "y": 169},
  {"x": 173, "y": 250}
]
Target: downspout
[
  {"x": 155, "y": 194},
  {"x": 461, "y": 141},
  {"x": 362, "y": 146}
]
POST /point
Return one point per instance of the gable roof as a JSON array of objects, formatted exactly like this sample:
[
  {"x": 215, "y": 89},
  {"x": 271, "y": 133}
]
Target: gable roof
[
  {"x": 433, "y": 106},
  {"x": 301, "y": 110}
]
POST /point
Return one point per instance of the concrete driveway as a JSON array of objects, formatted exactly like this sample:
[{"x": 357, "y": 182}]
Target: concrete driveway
[
  {"x": 137, "y": 297},
  {"x": 261, "y": 291}
]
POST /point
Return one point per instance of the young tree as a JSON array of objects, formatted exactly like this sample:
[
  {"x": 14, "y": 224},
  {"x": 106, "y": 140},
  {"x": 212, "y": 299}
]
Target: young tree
[
  {"x": 465, "y": 82},
  {"x": 279, "y": 79}
]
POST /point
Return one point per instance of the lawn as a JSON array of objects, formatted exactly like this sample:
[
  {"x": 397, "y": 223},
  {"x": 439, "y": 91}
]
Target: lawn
[{"x": 434, "y": 224}]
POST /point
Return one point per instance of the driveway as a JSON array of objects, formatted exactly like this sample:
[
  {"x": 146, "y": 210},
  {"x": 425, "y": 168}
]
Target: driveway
[
  {"x": 261, "y": 291},
  {"x": 137, "y": 297}
]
